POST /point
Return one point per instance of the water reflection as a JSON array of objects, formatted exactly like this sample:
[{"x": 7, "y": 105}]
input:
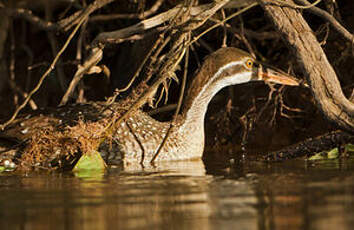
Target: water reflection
[{"x": 294, "y": 195}]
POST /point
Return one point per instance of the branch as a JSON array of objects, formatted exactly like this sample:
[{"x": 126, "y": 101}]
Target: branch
[
  {"x": 142, "y": 15},
  {"x": 124, "y": 34},
  {"x": 67, "y": 23},
  {"x": 311, "y": 146},
  {"x": 43, "y": 77},
  {"x": 320, "y": 74},
  {"x": 29, "y": 16},
  {"x": 325, "y": 15},
  {"x": 138, "y": 31},
  {"x": 63, "y": 25}
]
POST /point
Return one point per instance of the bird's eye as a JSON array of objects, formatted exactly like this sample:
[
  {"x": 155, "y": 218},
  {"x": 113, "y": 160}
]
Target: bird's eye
[{"x": 249, "y": 63}]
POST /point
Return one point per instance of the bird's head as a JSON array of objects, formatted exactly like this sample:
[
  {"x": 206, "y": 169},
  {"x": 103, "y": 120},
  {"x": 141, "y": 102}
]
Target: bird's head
[{"x": 234, "y": 66}]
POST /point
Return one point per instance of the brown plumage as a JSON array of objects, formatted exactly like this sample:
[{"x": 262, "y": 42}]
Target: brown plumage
[{"x": 139, "y": 136}]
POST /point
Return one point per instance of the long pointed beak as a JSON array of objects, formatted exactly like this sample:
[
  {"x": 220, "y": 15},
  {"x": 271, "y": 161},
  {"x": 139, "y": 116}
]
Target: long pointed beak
[{"x": 275, "y": 76}]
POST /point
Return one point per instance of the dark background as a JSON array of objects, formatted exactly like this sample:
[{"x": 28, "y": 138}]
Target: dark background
[{"x": 291, "y": 116}]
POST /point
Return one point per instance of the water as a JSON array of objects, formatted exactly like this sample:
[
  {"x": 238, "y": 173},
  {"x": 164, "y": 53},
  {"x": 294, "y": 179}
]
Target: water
[{"x": 185, "y": 195}]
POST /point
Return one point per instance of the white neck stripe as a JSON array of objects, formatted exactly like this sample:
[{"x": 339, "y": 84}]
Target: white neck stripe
[
  {"x": 228, "y": 65},
  {"x": 230, "y": 80}
]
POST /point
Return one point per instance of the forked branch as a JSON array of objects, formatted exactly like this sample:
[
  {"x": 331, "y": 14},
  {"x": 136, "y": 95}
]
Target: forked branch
[{"x": 316, "y": 67}]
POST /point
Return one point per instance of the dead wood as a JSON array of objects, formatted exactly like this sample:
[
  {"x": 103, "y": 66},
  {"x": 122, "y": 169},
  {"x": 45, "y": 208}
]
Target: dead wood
[
  {"x": 142, "y": 15},
  {"x": 312, "y": 59},
  {"x": 325, "y": 15},
  {"x": 122, "y": 35},
  {"x": 312, "y": 146},
  {"x": 64, "y": 24},
  {"x": 199, "y": 14},
  {"x": 43, "y": 77}
]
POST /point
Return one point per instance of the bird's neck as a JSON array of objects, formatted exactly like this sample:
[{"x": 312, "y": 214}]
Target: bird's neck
[
  {"x": 208, "y": 81},
  {"x": 198, "y": 96}
]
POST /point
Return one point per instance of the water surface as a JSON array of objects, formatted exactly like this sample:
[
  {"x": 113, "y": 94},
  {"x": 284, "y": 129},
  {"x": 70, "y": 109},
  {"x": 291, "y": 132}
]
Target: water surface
[{"x": 185, "y": 195}]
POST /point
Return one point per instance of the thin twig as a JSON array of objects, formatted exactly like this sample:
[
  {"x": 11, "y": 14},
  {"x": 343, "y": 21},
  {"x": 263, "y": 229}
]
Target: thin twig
[
  {"x": 22, "y": 93},
  {"x": 168, "y": 67},
  {"x": 72, "y": 20},
  {"x": 64, "y": 24},
  {"x": 140, "y": 102},
  {"x": 80, "y": 45},
  {"x": 291, "y": 5},
  {"x": 145, "y": 14},
  {"x": 137, "y": 72},
  {"x": 325, "y": 15},
  {"x": 112, "y": 99},
  {"x": 180, "y": 99},
  {"x": 55, "y": 47},
  {"x": 138, "y": 141},
  {"x": 224, "y": 40},
  {"x": 12, "y": 61},
  {"x": 49, "y": 70},
  {"x": 92, "y": 60},
  {"x": 223, "y": 21},
  {"x": 29, "y": 16},
  {"x": 119, "y": 36}
]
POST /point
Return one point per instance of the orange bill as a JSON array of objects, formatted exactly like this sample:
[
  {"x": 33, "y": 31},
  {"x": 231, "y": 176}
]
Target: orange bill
[{"x": 276, "y": 76}]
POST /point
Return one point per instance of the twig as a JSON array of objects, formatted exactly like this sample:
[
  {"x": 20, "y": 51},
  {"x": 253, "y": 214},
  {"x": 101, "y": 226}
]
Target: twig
[
  {"x": 49, "y": 70},
  {"x": 162, "y": 109},
  {"x": 22, "y": 93},
  {"x": 138, "y": 141},
  {"x": 119, "y": 36},
  {"x": 72, "y": 20},
  {"x": 250, "y": 33},
  {"x": 180, "y": 99},
  {"x": 269, "y": 100},
  {"x": 145, "y": 14},
  {"x": 64, "y": 24},
  {"x": 291, "y": 5},
  {"x": 325, "y": 15},
  {"x": 244, "y": 39},
  {"x": 223, "y": 21},
  {"x": 154, "y": 57},
  {"x": 55, "y": 47},
  {"x": 92, "y": 60},
  {"x": 224, "y": 31},
  {"x": 12, "y": 61},
  {"x": 137, "y": 72},
  {"x": 133, "y": 31},
  {"x": 247, "y": 120},
  {"x": 112, "y": 99},
  {"x": 140, "y": 102},
  {"x": 168, "y": 67},
  {"x": 81, "y": 98},
  {"x": 29, "y": 16},
  {"x": 321, "y": 77}
]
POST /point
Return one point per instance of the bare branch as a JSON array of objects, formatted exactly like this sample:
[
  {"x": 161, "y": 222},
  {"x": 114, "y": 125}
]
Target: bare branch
[
  {"x": 49, "y": 70},
  {"x": 145, "y": 14},
  {"x": 319, "y": 72},
  {"x": 325, "y": 15}
]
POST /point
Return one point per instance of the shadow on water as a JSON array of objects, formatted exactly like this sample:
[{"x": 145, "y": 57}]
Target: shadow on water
[{"x": 185, "y": 195}]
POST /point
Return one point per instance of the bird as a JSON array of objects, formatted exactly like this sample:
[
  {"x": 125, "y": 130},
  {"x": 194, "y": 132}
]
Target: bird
[{"x": 138, "y": 138}]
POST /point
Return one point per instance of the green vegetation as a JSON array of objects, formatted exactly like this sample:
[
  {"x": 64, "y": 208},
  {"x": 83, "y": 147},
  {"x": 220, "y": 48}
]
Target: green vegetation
[
  {"x": 333, "y": 153},
  {"x": 90, "y": 164}
]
